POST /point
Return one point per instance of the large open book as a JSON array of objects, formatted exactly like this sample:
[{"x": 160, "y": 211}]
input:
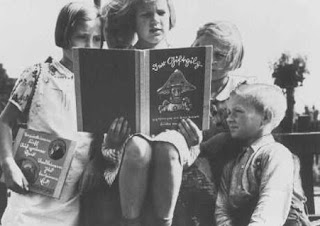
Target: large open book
[
  {"x": 44, "y": 160},
  {"x": 152, "y": 89}
]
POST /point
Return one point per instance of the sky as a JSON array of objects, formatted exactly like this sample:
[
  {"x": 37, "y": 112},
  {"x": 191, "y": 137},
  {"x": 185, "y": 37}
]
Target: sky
[{"x": 268, "y": 28}]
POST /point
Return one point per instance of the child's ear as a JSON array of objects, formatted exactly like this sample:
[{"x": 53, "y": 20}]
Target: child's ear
[{"x": 267, "y": 117}]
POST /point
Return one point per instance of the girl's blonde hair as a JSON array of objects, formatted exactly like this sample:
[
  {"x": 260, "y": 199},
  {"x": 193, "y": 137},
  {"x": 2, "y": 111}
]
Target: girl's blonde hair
[
  {"x": 69, "y": 17},
  {"x": 120, "y": 28},
  {"x": 228, "y": 34}
]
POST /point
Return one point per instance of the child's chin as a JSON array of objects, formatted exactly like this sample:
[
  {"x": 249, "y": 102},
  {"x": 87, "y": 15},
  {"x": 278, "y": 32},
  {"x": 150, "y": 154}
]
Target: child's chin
[{"x": 234, "y": 135}]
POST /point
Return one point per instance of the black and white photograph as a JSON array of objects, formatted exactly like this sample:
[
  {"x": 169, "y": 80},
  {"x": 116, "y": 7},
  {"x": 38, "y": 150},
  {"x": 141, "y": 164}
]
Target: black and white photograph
[{"x": 180, "y": 112}]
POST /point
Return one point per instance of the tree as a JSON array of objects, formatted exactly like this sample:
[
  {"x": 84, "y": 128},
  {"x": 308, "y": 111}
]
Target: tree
[
  {"x": 3, "y": 77},
  {"x": 288, "y": 73},
  {"x": 6, "y": 85}
]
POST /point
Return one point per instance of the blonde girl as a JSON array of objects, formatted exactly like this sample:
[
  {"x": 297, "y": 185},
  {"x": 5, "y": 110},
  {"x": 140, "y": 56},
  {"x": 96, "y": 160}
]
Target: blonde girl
[{"x": 151, "y": 168}]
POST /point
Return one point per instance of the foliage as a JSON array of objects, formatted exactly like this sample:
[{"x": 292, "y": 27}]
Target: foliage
[
  {"x": 3, "y": 77},
  {"x": 289, "y": 71}
]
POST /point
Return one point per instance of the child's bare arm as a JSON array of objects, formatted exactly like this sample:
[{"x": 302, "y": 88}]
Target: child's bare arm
[{"x": 13, "y": 176}]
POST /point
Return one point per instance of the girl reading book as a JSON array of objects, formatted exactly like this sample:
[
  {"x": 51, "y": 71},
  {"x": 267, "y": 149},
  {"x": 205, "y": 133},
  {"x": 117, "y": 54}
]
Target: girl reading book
[{"x": 151, "y": 167}]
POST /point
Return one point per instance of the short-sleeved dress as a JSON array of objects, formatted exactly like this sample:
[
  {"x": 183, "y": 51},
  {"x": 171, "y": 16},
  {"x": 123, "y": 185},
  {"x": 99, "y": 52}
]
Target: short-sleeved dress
[{"x": 52, "y": 110}]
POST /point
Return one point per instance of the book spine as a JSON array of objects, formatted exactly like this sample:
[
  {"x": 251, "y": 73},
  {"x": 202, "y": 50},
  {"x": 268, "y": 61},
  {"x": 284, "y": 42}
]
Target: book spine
[
  {"x": 207, "y": 88},
  {"x": 145, "y": 92},
  {"x": 76, "y": 70},
  {"x": 138, "y": 69}
]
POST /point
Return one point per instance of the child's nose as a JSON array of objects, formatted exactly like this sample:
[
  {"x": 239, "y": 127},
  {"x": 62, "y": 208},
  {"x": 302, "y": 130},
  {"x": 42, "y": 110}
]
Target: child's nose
[
  {"x": 230, "y": 117},
  {"x": 155, "y": 18},
  {"x": 89, "y": 43}
]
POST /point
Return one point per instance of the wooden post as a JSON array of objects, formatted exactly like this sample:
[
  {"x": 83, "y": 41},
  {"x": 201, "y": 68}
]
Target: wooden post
[{"x": 305, "y": 146}]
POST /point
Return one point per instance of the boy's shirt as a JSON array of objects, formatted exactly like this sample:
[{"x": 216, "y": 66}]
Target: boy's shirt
[{"x": 258, "y": 186}]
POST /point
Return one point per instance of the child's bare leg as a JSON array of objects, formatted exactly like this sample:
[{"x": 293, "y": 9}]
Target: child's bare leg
[
  {"x": 133, "y": 177},
  {"x": 167, "y": 176}
]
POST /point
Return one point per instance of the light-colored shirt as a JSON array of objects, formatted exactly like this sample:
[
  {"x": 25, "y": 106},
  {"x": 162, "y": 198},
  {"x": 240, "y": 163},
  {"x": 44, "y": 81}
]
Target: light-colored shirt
[
  {"x": 53, "y": 110},
  {"x": 257, "y": 187}
]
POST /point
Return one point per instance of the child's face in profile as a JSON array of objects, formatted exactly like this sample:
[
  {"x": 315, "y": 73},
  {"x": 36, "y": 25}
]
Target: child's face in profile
[
  {"x": 152, "y": 21},
  {"x": 244, "y": 121},
  {"x": 220, "y": 65},
  {"x": 87, "y": 34}
]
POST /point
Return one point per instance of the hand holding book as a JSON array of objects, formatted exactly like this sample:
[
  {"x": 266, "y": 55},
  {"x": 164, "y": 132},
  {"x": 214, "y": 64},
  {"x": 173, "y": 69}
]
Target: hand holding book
[
  {"x": 190, "y": 131},
  {"x": 13, "y": 176},
  {"x": 117, "y": 133},
  {"x": 111, "y": 151}
]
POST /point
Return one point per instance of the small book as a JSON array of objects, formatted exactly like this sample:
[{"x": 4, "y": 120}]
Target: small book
[
  {"x": 153, "y": 89},
  {"x": 44, "y": 159}
]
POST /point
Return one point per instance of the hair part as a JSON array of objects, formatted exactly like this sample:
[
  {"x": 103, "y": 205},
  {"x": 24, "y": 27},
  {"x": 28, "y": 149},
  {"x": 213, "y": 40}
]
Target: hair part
[
  {"x": 265, "y": 98},
  {"x": 228, "y": 34},
  {"x": 120, "y": 28},
  {"x": 69, "y": 17}
]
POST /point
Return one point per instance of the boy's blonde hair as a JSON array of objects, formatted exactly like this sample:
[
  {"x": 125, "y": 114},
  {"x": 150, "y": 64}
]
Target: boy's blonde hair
[
  {"x": 69, "y": 17},
  {"x": 120, "y": 28},
  {"x": 264, "y": 98},
  {"x": 228, "y": 34}
]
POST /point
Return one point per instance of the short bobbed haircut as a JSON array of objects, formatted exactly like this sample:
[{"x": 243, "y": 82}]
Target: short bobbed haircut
[
  {"x": 69, "y": 17},
  {"x": 228, "y": 34},
  {"x": 120, "y": 28},
  {"x": 264, "y": 98}
]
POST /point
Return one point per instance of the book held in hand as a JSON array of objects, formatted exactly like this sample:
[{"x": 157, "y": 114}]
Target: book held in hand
[
  {"x": 44, "y": 160},
  {"x": 153, "y": 89}
]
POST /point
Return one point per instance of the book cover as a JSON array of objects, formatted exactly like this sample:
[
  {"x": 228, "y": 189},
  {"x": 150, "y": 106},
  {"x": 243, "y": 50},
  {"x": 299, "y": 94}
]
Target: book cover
[
  {"x": 179, "y": 87},
  {"x": 44, "y": 159},
  {"x": 153, "y": 89},
  {"x": 106, "y": 85}
]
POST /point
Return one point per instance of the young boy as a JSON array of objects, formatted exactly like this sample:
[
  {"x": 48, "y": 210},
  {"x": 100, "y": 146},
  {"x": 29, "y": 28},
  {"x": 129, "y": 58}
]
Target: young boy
[{"x": 261, "y": 186}]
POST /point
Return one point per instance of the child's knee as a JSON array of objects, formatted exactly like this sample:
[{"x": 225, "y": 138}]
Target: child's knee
[
  {"x": 137, "y": 151},
  {"x": 166, "y": 153}
]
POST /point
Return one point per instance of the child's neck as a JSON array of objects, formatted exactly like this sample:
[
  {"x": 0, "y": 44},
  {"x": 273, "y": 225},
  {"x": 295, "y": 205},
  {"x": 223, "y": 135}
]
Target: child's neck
[
  {"x": 146, "y": 45},
  {"x": 67, "y": 62},
  {"x": 262, "y": 133},
  {"x": 218, "y": 84}
]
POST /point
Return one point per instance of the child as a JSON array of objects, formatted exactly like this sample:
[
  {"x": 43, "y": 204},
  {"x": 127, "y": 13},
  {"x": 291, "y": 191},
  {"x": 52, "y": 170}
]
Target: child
[
  {"x": 150, "y": 20},
  {"x": 227, "y": 56},
  {"x": 260, "y": 186},
  {"x": 45, "y": 95},
  {"x": 151, "y": 167}
]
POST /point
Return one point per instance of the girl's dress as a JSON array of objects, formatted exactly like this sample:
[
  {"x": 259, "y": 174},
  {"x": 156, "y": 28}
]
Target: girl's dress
[{"x": 52, "y": 110}]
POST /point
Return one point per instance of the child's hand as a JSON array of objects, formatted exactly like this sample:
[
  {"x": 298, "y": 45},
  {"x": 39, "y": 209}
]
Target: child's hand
[
  {"x": 92, "y": 176},
  {"x": 190, "y": 131},
  {"x": 117, "y": 133},
  {"x": 14, "y": 178}
]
